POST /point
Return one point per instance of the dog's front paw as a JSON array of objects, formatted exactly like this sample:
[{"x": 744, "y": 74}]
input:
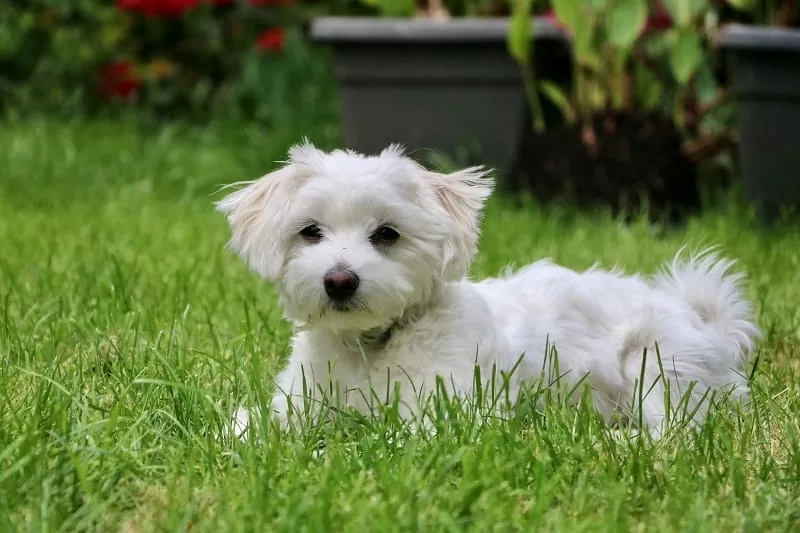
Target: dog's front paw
[
  {"x": 240, "y": 422},
  {"x": 280, "y": 409},
  {"x": 243, "y": 419}
]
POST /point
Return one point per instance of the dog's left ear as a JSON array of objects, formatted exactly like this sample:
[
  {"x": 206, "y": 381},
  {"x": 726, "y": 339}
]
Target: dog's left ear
[{"x": 462, "y": 195}]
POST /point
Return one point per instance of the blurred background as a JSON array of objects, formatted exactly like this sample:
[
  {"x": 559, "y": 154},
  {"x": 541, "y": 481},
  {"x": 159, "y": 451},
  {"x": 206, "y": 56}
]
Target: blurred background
[{"x": 636, "y": 102}]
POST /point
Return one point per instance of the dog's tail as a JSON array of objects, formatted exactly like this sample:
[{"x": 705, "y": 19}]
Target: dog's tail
[{"x": 706, "y": 282}]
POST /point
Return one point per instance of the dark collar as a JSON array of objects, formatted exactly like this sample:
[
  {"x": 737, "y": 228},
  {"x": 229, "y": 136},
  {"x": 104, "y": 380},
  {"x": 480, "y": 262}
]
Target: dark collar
[{"x": 378, "y": 338}]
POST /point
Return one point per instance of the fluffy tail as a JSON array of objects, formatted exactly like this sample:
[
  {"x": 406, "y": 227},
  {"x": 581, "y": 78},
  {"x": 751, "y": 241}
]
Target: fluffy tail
[{"x": 706, "y": 282}]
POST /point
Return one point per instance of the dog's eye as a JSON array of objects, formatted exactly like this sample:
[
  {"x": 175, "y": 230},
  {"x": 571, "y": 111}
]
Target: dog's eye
[
  {"x": 384, "y": 236},
  {"x": 311, "y": 233}
]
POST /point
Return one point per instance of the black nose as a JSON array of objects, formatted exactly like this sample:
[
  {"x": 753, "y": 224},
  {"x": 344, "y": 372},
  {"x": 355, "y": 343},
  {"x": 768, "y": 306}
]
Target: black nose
[{"x": 340, "y": 284}]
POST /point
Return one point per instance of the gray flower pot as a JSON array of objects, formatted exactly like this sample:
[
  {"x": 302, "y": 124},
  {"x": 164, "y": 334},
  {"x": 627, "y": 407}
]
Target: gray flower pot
[
  {"x": 447, "y": 86},
  {"x": 765, "y": 67}
]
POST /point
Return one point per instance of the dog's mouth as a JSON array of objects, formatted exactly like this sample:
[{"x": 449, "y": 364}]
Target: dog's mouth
[
  {"x": 341, "y": 307},
  {"x": 347, "y": 306}
]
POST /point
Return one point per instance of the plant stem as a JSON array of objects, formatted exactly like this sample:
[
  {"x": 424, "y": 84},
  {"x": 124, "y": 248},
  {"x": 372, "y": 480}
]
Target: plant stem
[
  {"x": 787, "y": 13},
  {"x": 529, "y": 82}
]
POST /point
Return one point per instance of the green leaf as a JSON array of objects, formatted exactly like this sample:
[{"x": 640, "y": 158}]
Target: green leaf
[
  {"x": 747, "y": 6},
  {"x": 707, "y": 86},
  {"x": 647, "y": 87},
  {"x": 583, "y": 37},
  {"x": 677, "y": 10},
  {"x": 685, "y": 12},
  {"x": 686, "y": 55},
  {"x": 626, "y": 21},
  {"x": 519, "y": 35},
  {"x": 594, "y": 5},
  {"x": 559, "y": 98},
  {"x": 568, "y": 13},
  {"x": 393, "y": 8}
]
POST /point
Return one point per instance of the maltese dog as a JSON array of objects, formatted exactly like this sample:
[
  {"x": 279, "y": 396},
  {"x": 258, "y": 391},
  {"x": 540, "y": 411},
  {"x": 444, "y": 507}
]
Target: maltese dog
[{"x": 369, "y": 256}]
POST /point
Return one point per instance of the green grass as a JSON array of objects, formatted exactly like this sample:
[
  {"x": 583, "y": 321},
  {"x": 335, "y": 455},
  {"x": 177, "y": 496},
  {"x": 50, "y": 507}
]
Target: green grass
[{"x": 127, "y": 331}]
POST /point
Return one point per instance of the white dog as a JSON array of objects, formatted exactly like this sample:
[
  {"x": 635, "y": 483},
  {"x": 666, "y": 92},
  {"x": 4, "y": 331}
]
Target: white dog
[{"x": 370, "y": 254}]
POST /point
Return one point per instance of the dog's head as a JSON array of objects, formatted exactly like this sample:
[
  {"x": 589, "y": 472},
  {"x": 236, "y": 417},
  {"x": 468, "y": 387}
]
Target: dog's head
[{"x": 352, "y": 241}]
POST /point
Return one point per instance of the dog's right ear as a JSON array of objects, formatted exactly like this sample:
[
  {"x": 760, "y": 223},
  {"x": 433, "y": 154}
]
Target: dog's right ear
[
  {"x": 462, "y": 195},
  {"x": 254, "y": 214}
]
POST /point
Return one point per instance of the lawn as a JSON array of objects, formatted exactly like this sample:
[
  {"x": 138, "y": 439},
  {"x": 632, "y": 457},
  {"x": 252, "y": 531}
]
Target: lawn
[{"x": 128, "y": 330}]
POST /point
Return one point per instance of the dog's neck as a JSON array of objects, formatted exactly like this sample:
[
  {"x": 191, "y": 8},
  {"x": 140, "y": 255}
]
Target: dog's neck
[{"x": 376, "y": 339}]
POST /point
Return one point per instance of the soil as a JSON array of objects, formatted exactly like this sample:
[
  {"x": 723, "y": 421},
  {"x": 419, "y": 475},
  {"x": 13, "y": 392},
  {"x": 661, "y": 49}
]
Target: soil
[{"x": 627, "y": 160}]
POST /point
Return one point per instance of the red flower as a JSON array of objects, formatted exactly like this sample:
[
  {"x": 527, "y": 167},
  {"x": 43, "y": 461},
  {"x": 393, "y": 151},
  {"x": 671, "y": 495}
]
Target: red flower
[
  {"x": 255, "y": 3},
  {"x": 119, "y": 80},
  {"x": 178, "y": 7},
  {"x": 271, "y": 40},
  {"x": 156, "y": 8},
  {"x": 658, "y": 21}
]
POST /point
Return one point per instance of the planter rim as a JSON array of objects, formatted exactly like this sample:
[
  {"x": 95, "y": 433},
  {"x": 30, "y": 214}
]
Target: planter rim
[
  {"x": 767, "y": 38},
  {"x": 461, "y": 29}
]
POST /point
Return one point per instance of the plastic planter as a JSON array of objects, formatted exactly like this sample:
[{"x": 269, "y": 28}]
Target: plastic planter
[
  {"x": 765, "y": 69},
  {"x": 445, "y": 85}
]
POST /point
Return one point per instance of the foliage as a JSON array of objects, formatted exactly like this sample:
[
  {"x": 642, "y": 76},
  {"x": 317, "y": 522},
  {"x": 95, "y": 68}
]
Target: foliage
[
  {"x": 520, "y": 46},
  {"x": 785, "y": 13},
  {"x": 393, "y": 8},
  {"x": 636, "y": 55},
  {"x": 169, "y": 56}
]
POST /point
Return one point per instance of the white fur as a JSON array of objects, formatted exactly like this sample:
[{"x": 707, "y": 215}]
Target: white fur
[{"x": 600, "y": 322}]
